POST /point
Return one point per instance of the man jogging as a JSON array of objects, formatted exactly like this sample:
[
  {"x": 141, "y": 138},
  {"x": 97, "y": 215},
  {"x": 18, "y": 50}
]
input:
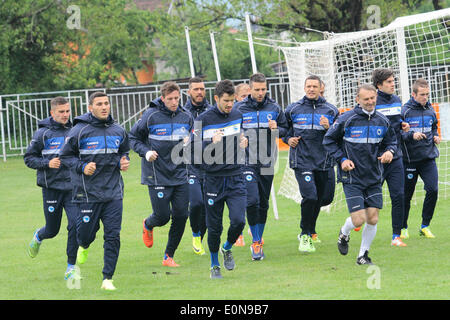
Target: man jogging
[
  {"x": 420, "y": 153},
  {"x": 54, "y": 179},
  {"x": 393, "y": 173},
  {"x": 263, "y": 122},
  {"x": 360, "y": 141},
  {"x": 309, "y": 120},
  {"x": 163, "y": 126},
  {"x": 196, "y": 104},
  {"x": 96, "y": 150},
  {"x": 222, "y": 143}
]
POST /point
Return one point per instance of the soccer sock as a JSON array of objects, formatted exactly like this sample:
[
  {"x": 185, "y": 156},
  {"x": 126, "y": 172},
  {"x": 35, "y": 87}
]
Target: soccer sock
[
  {"x": 348, "y": 226},
  {"x": 196, "y": 234},
  {"x": 368, "y": 235},
  {"x": 423, "y": 226},
  {"x": 227, "y": 245},
  {"x": 214, "y": 259},
  {"x": 146, "y": 226},
  {"x": 261, "y": 227},
  {"x": 395, "y": 236},
  {"x": 37, "y": 236},
  {"x": 255, "y": 233}
]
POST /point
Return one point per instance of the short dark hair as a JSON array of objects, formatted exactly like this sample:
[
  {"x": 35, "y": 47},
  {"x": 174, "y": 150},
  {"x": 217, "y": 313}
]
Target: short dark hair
[
  {"x": 380, "y": 75},
  {"x": 195, "y": 80},
  {"x": 314, "y": 77},
  {"x": 366, "y": 86},
  {"x": 57, "y": 101},
  {"x": 96, "y": 94},
  {"x": 257, "y": 77},
  {"x": 420, "y": 83},
  {"x": 224, "y": 86},
  {"x": 169, "y": 87}
]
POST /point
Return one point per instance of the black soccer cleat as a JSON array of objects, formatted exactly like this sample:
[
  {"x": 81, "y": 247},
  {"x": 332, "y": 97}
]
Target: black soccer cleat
[
  {"x": 364, "y": 259},
  {"x": 343, "y": 243},
  {"x": 215, "y": 273}
]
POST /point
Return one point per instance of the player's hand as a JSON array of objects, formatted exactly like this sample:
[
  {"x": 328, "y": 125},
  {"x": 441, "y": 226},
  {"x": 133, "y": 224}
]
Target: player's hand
[
  {"x": 347, "y": 165},
  {"x": 124, "y": 163},
  {"x": 90, "y": 168},
  {"x": 151, "y": 155},
  {"x": 272, "y": 125},
  {"x": 386, "y": 157},
  {"x": 293, "y": 142},
  {"x": 419, "y": 136},
  {"x": 405, "y": 126},
  {"x": 55, "y": 163},
  {"x": 243, "y": 142},
  {"x": 324, "y": 122},
  {"x": 436, "y": 139},
  {"x": 217, "y": 137}
]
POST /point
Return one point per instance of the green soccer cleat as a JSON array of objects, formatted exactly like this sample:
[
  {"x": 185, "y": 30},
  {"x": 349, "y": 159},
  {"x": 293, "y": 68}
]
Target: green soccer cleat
[
  {"x": 311, "y": 247},
  {"x": 197, "y": 246},
  {"x": 404, "y": 234},
  {"x": 72, "y": 272},
  {"x": 82, "y": 254},
  {"x": 315, "y": 238},
  {"x": 304, "y": 245},
  {"x": 426, "y": 232},
  {"x": 33, "y": 247}
]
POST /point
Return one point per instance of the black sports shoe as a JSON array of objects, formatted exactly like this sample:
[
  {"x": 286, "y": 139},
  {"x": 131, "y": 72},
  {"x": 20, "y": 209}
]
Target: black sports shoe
[
  {"x": 228, "y": 260},
  {"x": 364, "y": 259},
  {"x": 215, "y": 273},
  {"x": 343, "y": 243}
]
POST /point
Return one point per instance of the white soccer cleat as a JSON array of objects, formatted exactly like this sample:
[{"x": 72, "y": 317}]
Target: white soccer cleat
[{"x": 107, "y": 284}]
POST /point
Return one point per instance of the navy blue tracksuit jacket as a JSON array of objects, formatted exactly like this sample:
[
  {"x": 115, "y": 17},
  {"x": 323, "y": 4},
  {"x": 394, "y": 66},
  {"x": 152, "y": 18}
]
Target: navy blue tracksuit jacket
[
  {"x": 256, "y": 115},
  {"x": 195, "y": 112},
  {"x": 220, "y": 163},
  {"x": 102, "y": 142},
  {"x": 46, "y": 144},
  {"x": 160, "y": 130},
  {"x": 304, "y": 118},
  {"x": 421, "y": 119},
  {"x": 390, "y": 105},
  {"x": 361, "y": 138}
]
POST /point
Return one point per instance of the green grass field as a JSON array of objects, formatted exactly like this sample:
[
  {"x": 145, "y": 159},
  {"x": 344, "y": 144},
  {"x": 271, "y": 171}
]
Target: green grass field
[{"x": 419, "y": 271}]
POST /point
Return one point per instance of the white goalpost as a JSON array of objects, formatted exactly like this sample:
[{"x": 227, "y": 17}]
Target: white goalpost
[{"x": 413, "y": 47}]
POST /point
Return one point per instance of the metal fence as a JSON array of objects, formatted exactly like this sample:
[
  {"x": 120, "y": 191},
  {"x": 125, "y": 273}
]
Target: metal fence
[{"x": 20, "y": 113}]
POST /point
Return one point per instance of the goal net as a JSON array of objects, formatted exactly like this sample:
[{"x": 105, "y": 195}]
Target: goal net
[{"x": 413, "y": 47}]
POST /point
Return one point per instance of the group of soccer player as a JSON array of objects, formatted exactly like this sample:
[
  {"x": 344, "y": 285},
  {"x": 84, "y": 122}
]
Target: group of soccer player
[{"x": 198, "y": 157}]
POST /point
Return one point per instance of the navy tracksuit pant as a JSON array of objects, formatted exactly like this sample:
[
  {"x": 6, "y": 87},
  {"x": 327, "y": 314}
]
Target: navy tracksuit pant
[
  {"x": 218, "y": 191},
  {"x": 429, "y": 174},
  {"x": 169, "y": 202},
  {"x": 394, "y": 175},
  {"x": 54, "y": 203},
  {"x": 197, "y": 215},
  {"x": 258, "y": 193},
  {"x": 88, "y": 223},
  {"x": 315, "y": 192}
]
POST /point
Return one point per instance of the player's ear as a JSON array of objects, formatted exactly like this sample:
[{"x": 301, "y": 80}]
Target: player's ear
[{"x": 216, "y": 99}]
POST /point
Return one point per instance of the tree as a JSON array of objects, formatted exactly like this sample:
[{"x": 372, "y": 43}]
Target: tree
[{"x": 41, "y": 52}]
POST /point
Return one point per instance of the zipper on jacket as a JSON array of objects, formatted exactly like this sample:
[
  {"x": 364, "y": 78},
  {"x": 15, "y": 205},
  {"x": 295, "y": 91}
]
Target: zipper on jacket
[
  {"x": 106, "y": 145},
  {"x": 368, "y": 129},
  {"x": 312, "y": 118}
]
